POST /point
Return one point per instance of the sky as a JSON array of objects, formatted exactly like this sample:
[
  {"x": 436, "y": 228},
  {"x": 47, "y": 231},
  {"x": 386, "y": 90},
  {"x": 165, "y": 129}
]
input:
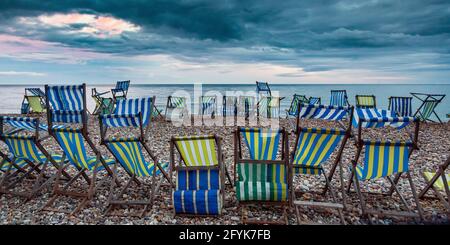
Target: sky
[{"x": 227, "y": 41}]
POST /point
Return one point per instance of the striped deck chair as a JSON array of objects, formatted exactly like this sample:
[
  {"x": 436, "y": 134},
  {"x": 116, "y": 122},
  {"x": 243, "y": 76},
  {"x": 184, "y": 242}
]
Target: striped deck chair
[
  {"x": 378, "y": 118},
  {"x": 246, "y": 107},
  {"x": 315, "y": 100},
  {"x": 208, "y": 106},
  {"x": 33, "y": 101},
  {"x": 68, "y": 108},
  {"x": 339, "y": 98},
  {"x": 27, "y": 156},
  {"x": 366, "y": 101},
  {"x": 401, "y": 106},
  {"x": 262, "y": 88},
  {"x": 313, "y": 149},
  {"x": 229, "y": 106},
  {"x": 293, "y": 108},
  {"x": 385, "y": 159},
  {"x": 103, "y": 105},
  {"x": 200, "y": 176},
  {"x": 262, "y": 177},
  {"x": 121, "y": 90},
  {"x": 428, "y": 106},
  {"x": 175, "y": 108},
  {"x": 269, "y": 107},
  {"x": 129, "y": 151},
  {"x": 439, "y": 182}
]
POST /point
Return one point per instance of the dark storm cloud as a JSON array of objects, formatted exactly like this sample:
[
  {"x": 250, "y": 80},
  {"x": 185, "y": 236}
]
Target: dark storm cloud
[{"x": 297, "y": 33}]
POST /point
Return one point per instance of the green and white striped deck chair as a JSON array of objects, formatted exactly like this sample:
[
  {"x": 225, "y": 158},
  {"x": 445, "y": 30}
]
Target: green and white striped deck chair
[
  {"x": 263, "y": 177},
  {"x": 269, "y": 107},
  {"x": 438, "y": 181},
  {"x": 103, "y": 105},
  {"x": 67, "y": 107},
  {"x": 176, "y": 108},
  {"x": 366, "y": 101},
  {"x": 246, "y": 107},
  {"x": 27, "y": 155},
  {"x": 428, "y": 106}
]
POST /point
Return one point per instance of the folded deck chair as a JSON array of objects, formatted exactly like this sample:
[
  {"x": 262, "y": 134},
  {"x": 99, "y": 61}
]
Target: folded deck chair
[
  {"x": 35, "y": 99},
  {"x": 439, "y": 182},
  {"x": 103, "y": 105},
  {"x": 27, "y": 156},
  {"x": 200, "y": 176},
  {"x": 208, "y": 106},
  {"x": 366, "y": 101},
  {"x": 269, "y": 107},
  {"x": 428, "y": 106},
  {"x": 313, "y": 149},
  {"x": 175, "y": 108},
  {"x": 121, "y": 90},
  {"x": 262, "y": 177},
  {"x": 385, "y": 159},
  {"x": 129, "y": 151},
  {"x": 246, "y": 107},
  {"x": 262, "y": 88},
  {"x": 402, "y": 106},
  {"x": 339, "y": 98},
  {"x": 315, "y": 100},
  {"x": 67, "y": 106}
]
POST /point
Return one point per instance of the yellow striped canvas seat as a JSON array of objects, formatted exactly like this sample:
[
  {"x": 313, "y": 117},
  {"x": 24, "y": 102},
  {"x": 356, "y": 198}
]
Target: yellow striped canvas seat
[
  {"x": 196, "y": 151},
  {"x": 439, "y": 184}
]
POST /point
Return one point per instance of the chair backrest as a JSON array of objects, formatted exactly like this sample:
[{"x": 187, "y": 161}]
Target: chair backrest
[
  {"x": 365, "y": 101},
  {"x": 23, "y": 147},
  {"x": 66, "y": 103},
  {"x": 229, "y": 105},
  {"x": 324, "y": 112},
  {"x": 129, "y": 109},
  {"x": 72, "y": 143},
  {"x": 197, "y": 151},
  {"x": 35, "y": 92},
  {"x": 428, "y": 108},
  {"x": 402, "y": 106},
  {"x": 263, "y": 87},
  {"x": 23, "y": 123},
  {"x": 122, "y": 85},
  {"x": 315, "y": 100},
  {"x": 176, "y": 102},
  {"x": 296, "y": 99},
  {"x": 377, "y": 118},
  {"x": 384, "y": 158},
  {"x": 339, "y": 98}
]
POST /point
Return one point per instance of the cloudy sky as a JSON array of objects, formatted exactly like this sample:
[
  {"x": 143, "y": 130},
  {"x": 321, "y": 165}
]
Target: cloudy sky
[{"x": 186, "y": 41}]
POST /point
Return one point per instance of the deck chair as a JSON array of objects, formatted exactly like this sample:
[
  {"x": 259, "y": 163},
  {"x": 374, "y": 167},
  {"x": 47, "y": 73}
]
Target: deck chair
[
  {"x": 402, "y": 106},
  {"x": 439, "y": 182},
  {"x": 428, "y": 106},
  {"x": 175, "y": 108},
  {"x": 262, "y": 88},
  {"x": 246, "y": 107},
  {"x": 103, "y": 105},
  {"x": 200, "y": 178},
  {"x": 33, "y": 101},
  {"x": 129, "y": 152},
  {"x": 293, "y": 108},
  {"x": 208, "y": 106},
  {"x": 366, "y": 101},
  {"x": 229, "y": 106},
  {"x": 315, "y": 100},
  {"x": 27, "y": 157},
  {"x": 121, "y": 90},
  {"x": 269, "y": 107},
  {"x": 262, "y": 177},
  {"x": 67, "y": 106},
  {"x": 385, "y": 159},
  {"x": 313, "y": 149},
  {"x": 339, "y": 98}
]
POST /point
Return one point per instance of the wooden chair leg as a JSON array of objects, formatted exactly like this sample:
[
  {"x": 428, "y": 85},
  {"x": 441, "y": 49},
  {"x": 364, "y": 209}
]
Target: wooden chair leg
[
  {"x": 361, "y": 198},
  {"x": 416, "y": 198}
]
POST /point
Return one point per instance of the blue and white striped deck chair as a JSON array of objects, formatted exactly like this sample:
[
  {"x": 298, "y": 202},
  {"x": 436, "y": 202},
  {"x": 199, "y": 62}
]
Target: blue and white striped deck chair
[
  {"x": 208, "y": 106},
  {"x": 200, "y": 176},
  {"x": 314, "y": 147},
  {"x": 121, "y": 90},
  {"x": 378, "y": 118},
  {"x": 263, "y": 176},
  {"x": 428, "y": 106},
  {"x": 384, "y": 159},
  {"x": 339, "y": 98},
  {"x": 26, "y": 153},
  {"x": 67, "y": 106},
  {"x": 269, "y": 107},
  {"x": 315, "y": 100},
  {"x": 176, "y": 108},
  {"x": 129, "y": 151},
  {"x": 401, "y": 106}
]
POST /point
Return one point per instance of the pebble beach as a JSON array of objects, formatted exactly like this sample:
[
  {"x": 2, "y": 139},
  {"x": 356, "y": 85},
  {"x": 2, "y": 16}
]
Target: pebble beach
[{"x": 434, "y": 144}]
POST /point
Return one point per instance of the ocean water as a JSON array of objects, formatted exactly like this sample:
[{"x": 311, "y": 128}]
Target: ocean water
[{"x": 12, "y": 96}]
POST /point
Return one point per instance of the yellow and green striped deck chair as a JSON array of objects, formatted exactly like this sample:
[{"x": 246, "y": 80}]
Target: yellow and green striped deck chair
[
  {"x": 439, "y": 182},
  {"x": 366, "y": 101},
  {"x": 428, "y": 106},
  {"x": 200, "y": 176},
  {"x": 34, "y": 101}
]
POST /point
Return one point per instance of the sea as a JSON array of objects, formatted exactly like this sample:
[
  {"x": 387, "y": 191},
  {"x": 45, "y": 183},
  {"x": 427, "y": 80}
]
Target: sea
[{"x": 12, "y": 95}]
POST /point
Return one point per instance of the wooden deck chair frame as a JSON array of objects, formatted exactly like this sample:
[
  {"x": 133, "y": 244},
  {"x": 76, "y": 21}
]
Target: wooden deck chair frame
[
  {"x": 100, "y": 102},
  {"x": 202, "y": 111},
  {"x": 424, "y": 98},
  {"x": 118, "y": 92},
  {"x": 90, "y": 178},
  {"x": 41, "y": 181},
  {"x": 431, "y": 185},
  {"x": 353, "y": 179},
  {"x": 174, "y": 149},
  {"x": 116, "y": 200},
  {"x": 333, "y": 91},
  {"x": 284, "y": 161},
  {"x": 358, "y": 105},
  {"x": 409, "y": 109},
  {"x": 337, "y": 162},
  {"x": 170, "y": 105}
]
